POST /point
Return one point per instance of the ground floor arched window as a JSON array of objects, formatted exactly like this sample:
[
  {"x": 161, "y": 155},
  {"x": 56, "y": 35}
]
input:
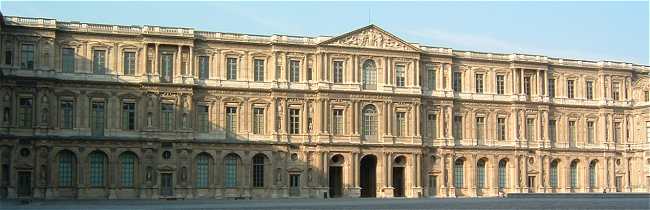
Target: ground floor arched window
[
  {"x": 127, "y": 161},
  {"x": 553, "y": 174},
  {"x": 502, "y": 174},
  {"x": 67, "y": 168},
  {"x": 230, "y": 179},
  {"x": 458, "y": 173},
  {"x": 202, "y": 170},
  {"x": 97, "y": 168}
]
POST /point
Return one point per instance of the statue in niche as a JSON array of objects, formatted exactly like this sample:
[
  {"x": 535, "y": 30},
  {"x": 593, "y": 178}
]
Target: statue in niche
[
  {"x": 149, "y": 172},
  {"x": 184, "y": 174},
  {"x": 43, "y": 175},
  {"x": 278, "y": 176},
  {"x": 149, "y": 119},
  {"x": 309, "y": 176},
  {"x": 184, "y": 120},
  {"x": 44, "y": 115}
]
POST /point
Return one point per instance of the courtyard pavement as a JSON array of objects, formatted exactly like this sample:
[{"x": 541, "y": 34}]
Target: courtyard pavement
[{"x": 342, "y": 203}]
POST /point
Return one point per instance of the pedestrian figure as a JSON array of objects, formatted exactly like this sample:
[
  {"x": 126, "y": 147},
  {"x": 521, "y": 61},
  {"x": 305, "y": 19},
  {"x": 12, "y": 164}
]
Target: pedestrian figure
[{"x": 604, "y": 192}]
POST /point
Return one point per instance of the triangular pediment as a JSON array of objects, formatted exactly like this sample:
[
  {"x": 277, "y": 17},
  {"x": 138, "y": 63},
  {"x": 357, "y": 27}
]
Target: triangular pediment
[{"x": 370, "y": 37}]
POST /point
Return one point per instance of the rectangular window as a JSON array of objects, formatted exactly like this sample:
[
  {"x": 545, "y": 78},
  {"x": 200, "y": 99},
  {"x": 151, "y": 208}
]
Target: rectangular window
[
  {"x": 97, "y": 118},
  {"x": 294, "y": 71},
  {"x": 501, "y": 84},
  {"x": 431, "y": 73},
  {"x": 99, "y": 61},
  {"x": 615, "y": 90},
  {"x": 232, "y": 68},
  {"x": 166, "y": 67},
  {"x": 617, "y": 132},
  {"x": 501, "y": 129},
  {"x": 128, "y": 116},
  {"x": 294, "y": 121},
  {"x": 400, "y": 75},
  {"x": 647, "y": 131},
  {"x": 204, "y": 67},
  {"x": 129, "y": 63},
  {"x": 551, "y": 88},
  {"x": 167, "y": 116},
  {"x": 551, "y": 131},
  {"x": 480, "y": 130},
  {"x": 67, "y": 114},
  {"x": 569, "y": 88},
  {"x": 203, "y": 113},
  {"x": 338, "y": 71},
  {"x": 27, "y": 56},
  {"x": 67, "y": 58},
  {"x": 590, "y": 90},
  {"x": 258, "y": 66},
  {"x": 433, "y": 126},
  {"x": 530, "y": 129},
  {"x": 231, "y": 120},
  {"x": 8, "y": 57},
  {"x": 527, "y": 86},
  {"x": 25, "y": 113},
  {"x": 339, "y": 122},
  {"x": 457, "y": 81},
  {"x": 479, "y": 83},
  {"x": 590, "y": 132},
  {"x": 400, "y": 117},
  {"x": 572, "y": 133},
  {"x": 258, "y": 120},
  {"x": 646, "y": 96},
  {"x": 458, "y": 127}
]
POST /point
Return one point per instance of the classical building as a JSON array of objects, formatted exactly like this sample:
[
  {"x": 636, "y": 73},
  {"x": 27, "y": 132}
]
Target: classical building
[{"x": 112, "y": 111}]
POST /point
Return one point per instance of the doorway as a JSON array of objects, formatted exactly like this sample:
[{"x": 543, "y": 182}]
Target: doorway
[
  {"x": 294, "y": 184},
  {"x": 618, "y": 182},
  {"x": 368, "y": 176},
  {"x": 336, "y": 181},
  {"x": 24, "y": 184},
  {"x": 166, "y": 184},
  {"x": 433, "y": 182},
  {"x": 398, "y": 181},
  {"x": 531, "y": 184}
]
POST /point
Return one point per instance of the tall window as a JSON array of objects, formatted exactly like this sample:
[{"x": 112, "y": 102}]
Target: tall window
[
  {"x": 129, "y": 63},
  {"x": 338, "y": 71},
  {"x": 458, "y": 173},
  {"x": 551, "y": 131},
  {"x": 615, "y": 90},
  {"x": 25, "y": 113},
  {"x": 431, "y": 73},
  {"x": 574, "y": 174},
  {"x": 338, "y": 122},
  {"x": 458, "y": 80},
  {"x": 369, "y": 121},
  {"x": 433, "y": 126},
  {"x": 501, "y": 84},
  {"x": 203, "y": 113},
  {"x": 502, "y": 174},
  {"x": 647, "y": 131},
  {"x": 590, "y": 90},
  {"x": 400, "y": 117},
  {"x": 294, "y": 71},
  {"x": 294, "y": 121},
  {"x": 590, "y": 132},
  {"x": 501, "y": 129},
  {"x": 553, "y": 174},
  {"x": 369, "y": 75},
  {"x": 166, "y": 67},
  {"x": 551, "y": 88},
  {"x": 646, "y": 96},
  {"x": 530, "y": 129},
  {"x": 569, "y": 88},
  {"x": 97, "y": 161},
  {"x": 572, "y": 133},
  {"x": 400, "y": 75},
  {"x": 167, "y": 115},
  {"x": 479, "y": 83},
  {"x": 67, "y": 169},
  {"x": 97, "y": 117},
  {"x": 231, "y": 68},
  {"x": 527, "y": 85},
  {"x": 67, "y": 58},
  {"x": 202, "y": 170},
  {"x": 258, "y": 66},
  {"x": 258, "y": 170},
  {"x": 67, "y": 114},
  {"x": 458, "y": 128},
  {"x": 204, "y": 67},
  {"x": 27, "y": 56},
  {"x": 9, "y": 57},
  {"x": 231, "y": 170},
  {"x": 592, "y": 175},
  {"x": 231, "y": 120},
  {"x": 258, "y": 120},
  {"x": 99, "y": 61},
  {"x": 128, "y": 116},
  {"x": 480, "y": 174},
  {"x": 127, "y": 161},
  {"x": 480, "y": 130},
  {"x": 617, "y": 132}
]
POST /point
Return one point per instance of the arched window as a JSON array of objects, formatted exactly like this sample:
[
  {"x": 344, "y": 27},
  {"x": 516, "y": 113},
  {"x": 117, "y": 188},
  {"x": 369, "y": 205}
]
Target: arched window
[
  {"x": 230, "y": 170},
  {"x": 67, "y": 168},
  {"x": 369, "y": 75},
  {"x": 369, "y": 121},
  {"x": 127, "y": 161},
  {"x": 502, "y": 173},
  {"x": 97, "y": 166},
  {"x": 202, "y": 170},
  {"x": 553, "y": 174},
  {"x": 458, "y": 173},
  {"x": 592, "y": 174},
  {"x": 574, "y": 174},
  {"x": 258, "y": 170},
  {"x": 480, "y": 173}
]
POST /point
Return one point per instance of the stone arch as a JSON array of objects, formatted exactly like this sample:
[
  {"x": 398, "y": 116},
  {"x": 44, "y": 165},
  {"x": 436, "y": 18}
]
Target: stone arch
[{"x": 369, "y": 74}]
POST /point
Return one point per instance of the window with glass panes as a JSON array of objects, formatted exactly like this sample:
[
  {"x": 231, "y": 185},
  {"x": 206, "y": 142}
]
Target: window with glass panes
[
  {"x": 231, "y": 171},
  {"x": 27, "y": 56},
  {"x": 66, "y": 168},
  {"x": 129, "y": 63},
  {"x": 97, "y": 118},
  {"x": 203, "y": 113},
  {"x": 97, "y": 160},
  {"x": 592, "y": 175},
  {"x": 458, "y": 127},
  {"x": 127, "y": 162},
  {"x": 480, "y": 130},
  {"x": 647, "y": 131},
  {"x": 458, "y": 173},
  {"x": 590, "y": 90},
  {"x": 338, "y": 121},
  {"x": 431, "y": 76},
  {"x": 433, "y": 126},
  {"x": 457, "y": 81},
  {"x": 569, "y": 88},
  {"x": 400, "y": 117},
  {"x": 67, "y": 114},
  {"x": 202, "y": 170},
  {"x": 553, "y": 174},
  {"x": 294, "y": 71},
  {"x": 617, "y": 132},
  {"x": 480, "y": 174},
  {"x": 551, "y": 131},
  {"x": 204, "y": 67},
  {"x": 369, "y": 75},
  {"x": 479, "y": 83},
  {"x": 530, "y": 129},
  {"x": 369, "y": 121},
  {"x": 167, "y": 116},
  {"x": 99, "y": 61},
  {"x": 527, "y": 85},
  {"x": 231, "y": 120},
  {"x": 590, "y": 132},
  {"x": 128, "y": 116},
  {"x": 258, "y": 120},
  {"x": 258, "y": 170},
  {"x": 67, "y": 60},
  {"x": 25, "y": 113},
  {"x": 501, "y": 84},
  {"x": 615, "y": 90},
  {"x": 338, "y": 71},
  {"x": 294, "y": 121},
  {"x": 501, "y": 128},
  {"x": 551, "y": 88},
  {"x": 258, "y": 67},
  {"x": 400, "y": 75},
  {"x": 166, "y": 67},
  {"x": 231, "y": 65},
  {"x": 502, "y": 174},
  {"x": 646, "y": 96},
  {"x": 572, "y": 133},
  {"x": 574, "y": 174}
]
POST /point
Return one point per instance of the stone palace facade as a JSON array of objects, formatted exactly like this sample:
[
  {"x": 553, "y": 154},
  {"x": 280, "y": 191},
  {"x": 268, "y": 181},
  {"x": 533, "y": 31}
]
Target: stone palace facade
[{"x": 116, "y": 112}]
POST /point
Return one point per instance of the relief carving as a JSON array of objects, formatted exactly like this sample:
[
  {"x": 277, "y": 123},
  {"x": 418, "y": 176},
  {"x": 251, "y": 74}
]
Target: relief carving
[{"x": 372, "y": 38}]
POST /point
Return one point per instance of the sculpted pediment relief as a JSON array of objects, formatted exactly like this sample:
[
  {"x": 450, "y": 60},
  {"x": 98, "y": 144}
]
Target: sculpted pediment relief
[{"x": 370, "y": 37}]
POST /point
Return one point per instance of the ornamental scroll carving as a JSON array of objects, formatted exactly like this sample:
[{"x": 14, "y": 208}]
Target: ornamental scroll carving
[{"x": 372, "y": 38}]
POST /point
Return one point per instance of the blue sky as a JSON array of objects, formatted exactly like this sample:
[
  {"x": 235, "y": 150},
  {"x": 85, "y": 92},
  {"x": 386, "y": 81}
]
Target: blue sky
[{"x": 615, "y": 31}]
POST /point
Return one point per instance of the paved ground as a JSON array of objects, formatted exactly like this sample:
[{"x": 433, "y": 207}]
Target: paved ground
[{"x": 460, "y": 203}]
